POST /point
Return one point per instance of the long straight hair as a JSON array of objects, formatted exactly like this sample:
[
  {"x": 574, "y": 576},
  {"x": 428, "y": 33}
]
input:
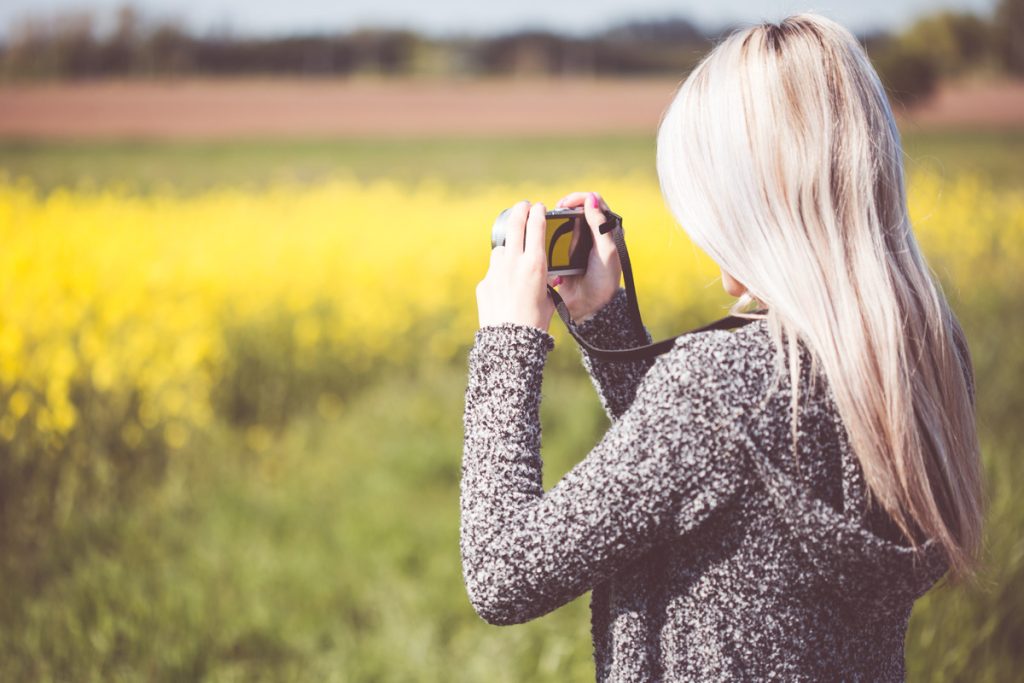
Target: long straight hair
[{"x": 780, "y": 157}]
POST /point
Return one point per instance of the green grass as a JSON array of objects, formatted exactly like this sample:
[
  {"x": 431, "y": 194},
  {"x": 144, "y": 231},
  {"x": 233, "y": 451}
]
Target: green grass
[
  {"x": 331, "y": 553},
  {"x": 194, "y": 166},
  {"x": 995, "y": 155}
]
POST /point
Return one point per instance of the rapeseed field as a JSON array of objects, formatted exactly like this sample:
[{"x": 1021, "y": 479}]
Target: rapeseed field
[
  {"x": 109, "y": 293},
  {"x": 137, "y": 327}
]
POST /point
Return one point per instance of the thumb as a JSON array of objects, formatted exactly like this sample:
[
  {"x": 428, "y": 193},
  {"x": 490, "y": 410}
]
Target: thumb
[{"x": 604, "y": 244}]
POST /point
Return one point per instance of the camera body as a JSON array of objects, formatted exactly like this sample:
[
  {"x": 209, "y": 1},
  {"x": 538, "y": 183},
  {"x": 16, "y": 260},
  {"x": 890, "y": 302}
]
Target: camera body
[{"x": 568, "y": 239}]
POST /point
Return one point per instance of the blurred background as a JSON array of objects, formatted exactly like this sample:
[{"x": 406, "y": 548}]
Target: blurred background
[{"x": 240, "y": 246}]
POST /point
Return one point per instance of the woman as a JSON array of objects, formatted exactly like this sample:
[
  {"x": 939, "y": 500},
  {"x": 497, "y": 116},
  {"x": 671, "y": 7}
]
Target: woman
[{"x": 769, "y": 502}]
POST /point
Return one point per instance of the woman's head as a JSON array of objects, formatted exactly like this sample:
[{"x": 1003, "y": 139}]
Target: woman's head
[
  {"x": 791, "y": 121},
  {"x": 781, "y": 159}
]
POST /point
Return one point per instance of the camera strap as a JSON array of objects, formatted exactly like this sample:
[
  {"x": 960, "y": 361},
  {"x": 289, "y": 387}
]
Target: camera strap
[{"x": 614, "y": 226}]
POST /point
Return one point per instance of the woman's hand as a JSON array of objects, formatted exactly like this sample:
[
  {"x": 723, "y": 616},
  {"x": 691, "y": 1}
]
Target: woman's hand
[
  {"x": 584, "y": 295},
  {"x": 515, "y": 287}
]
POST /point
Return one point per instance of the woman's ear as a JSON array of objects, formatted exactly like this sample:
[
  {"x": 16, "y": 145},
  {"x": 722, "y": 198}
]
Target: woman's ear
[{"x": 733, "y": 287}]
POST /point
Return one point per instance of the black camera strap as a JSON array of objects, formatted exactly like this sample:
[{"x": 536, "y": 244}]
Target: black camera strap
[{"x": 614, "y": 226}]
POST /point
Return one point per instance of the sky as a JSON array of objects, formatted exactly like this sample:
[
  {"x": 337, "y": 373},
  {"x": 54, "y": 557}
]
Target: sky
[{"x": 461, "y": 17}]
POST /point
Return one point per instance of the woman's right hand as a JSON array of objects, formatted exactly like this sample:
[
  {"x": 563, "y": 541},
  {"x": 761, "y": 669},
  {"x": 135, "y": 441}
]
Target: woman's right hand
[{"x": 586, "y": 294}]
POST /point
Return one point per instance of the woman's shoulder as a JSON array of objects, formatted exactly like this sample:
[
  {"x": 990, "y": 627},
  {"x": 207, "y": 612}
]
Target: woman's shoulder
[
  {"x": 724, "y": 354},
  {"x": 725, "y": 368},
  {"x": 745, "y": 373}
]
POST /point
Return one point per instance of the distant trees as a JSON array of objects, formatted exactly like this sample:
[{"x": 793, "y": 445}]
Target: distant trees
[
  {"x": 934, "y": 47},
  {"x": 672, "y": 46},
  {"x": 71, "y": 46},
  {"x": 952, "y": 42},
  {"x": 949, "y": 44},
  {"x": 1009, "y": 35}
]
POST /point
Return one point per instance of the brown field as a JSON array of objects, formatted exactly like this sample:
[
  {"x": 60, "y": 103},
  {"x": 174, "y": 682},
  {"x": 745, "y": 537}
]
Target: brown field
[{"x": 310, "y": 108}]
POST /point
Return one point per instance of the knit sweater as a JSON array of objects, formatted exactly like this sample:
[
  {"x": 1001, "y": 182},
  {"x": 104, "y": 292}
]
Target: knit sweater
[{"x": 713, "y": 550}]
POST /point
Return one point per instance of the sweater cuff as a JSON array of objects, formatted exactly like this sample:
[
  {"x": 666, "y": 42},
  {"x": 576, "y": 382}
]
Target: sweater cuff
[
  {"x": 612, "y": 327},
  {"x": 506, "y": 368},
  {"x": 513, "y": 338}
]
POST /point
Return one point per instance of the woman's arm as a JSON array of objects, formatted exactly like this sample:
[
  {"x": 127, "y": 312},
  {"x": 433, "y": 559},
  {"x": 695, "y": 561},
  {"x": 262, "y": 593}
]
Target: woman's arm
[
  {"x": 616, "y": 381},
  {"x": 660, "y": 470}
]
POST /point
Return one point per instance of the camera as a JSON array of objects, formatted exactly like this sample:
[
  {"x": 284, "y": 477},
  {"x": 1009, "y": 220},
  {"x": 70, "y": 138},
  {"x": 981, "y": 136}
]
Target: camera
[{"x": 568, "y": 239}]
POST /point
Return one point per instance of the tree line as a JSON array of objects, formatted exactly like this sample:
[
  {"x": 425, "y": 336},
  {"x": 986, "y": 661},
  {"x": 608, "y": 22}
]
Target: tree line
[{"x": 70, "y": 46}]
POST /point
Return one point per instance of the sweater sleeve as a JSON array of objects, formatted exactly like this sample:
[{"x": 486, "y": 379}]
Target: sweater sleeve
[
  {"x": 616, "y": 381},
  {"x": 660, "y": 470}
]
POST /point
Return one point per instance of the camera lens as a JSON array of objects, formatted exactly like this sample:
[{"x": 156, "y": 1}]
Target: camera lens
[{"x": 499, "y": 229}]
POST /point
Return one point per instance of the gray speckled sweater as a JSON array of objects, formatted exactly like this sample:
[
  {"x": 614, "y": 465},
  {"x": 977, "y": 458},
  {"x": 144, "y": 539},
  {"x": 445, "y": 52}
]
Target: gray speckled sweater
[{"x": 712, "y": 553}]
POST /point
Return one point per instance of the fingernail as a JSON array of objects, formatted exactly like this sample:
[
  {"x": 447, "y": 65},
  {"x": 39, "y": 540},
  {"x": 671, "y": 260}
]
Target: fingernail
[
  {"x": 557, "y": 281},
  {"x": 591, "y": 200}
]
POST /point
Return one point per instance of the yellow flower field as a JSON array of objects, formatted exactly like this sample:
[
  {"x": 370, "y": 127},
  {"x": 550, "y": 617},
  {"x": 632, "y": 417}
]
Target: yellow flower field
[
  {"x": 113, "y": 290},
  {"x": 135, "y": 328}
]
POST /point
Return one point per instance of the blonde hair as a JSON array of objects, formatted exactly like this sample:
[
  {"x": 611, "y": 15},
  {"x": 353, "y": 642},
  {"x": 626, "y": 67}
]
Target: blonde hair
[{"x": 780, "y": 157}]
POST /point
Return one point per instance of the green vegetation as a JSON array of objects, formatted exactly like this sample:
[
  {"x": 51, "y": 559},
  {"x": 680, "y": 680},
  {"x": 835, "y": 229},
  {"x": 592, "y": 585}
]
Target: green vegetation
[
  {"x": 330, "y": 553},
  {"x": 192, "y": 166},
  {"x": 72, "y": 45},
  {"x": 949, "y": 45},
  {"x": 251, "y": 164},
  {"x": 326, "y": 548}
]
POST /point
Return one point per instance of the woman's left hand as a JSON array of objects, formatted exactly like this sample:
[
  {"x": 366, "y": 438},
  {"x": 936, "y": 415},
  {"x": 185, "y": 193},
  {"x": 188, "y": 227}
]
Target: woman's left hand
[{"x": 515, "y": 287}]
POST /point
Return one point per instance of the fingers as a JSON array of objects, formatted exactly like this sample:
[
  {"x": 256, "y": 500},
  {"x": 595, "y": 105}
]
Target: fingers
[
  {"x": 516, "y": 232},
  {"x": 572, "y": 200},
  {"x": 576, "y": 199},
  {"x": 592, "y": 209},
  {"x": 497, "y": 254},
  {"x": 536, "y": 232}
]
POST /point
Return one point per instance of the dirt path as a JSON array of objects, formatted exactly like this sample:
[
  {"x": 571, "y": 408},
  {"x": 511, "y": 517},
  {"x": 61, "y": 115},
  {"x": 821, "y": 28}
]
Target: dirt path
[
  {"x": 198, "y": 109},
  {"x": 243, "y": 108},
  {"x": 972, "y": 105}
]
